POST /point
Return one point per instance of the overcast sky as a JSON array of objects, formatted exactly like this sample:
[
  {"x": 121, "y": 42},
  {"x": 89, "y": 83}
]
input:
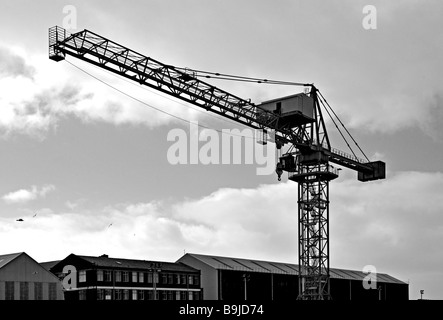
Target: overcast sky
[{"x": 86, "y": 167}]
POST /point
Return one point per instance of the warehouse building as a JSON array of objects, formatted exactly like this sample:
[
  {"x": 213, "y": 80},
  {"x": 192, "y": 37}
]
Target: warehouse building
[
  {"x": 23, "y": 278},
  {"x": 105, "y": 278},
  {"x": 226, "y": 278}
]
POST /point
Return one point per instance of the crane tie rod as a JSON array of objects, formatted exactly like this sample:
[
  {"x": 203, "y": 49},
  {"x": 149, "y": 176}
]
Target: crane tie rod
[
  {"x": 223, "y": 76},
  {"x": 355, "y": 142}
]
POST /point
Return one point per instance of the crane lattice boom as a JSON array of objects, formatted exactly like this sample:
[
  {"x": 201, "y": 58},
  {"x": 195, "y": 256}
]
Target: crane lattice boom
[{"x": 297, "y": 120}]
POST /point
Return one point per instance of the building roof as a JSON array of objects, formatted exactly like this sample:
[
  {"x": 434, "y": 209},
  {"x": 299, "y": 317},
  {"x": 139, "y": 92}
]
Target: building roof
[
  {"x": 239, "y": 264},
  {"x": 6, "y": 258},
  {"x": 105, "y": 261},
  {"x": 49, "y": 264}
]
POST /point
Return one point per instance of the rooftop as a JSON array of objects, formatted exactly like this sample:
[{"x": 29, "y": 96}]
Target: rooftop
[
  {"x": 239, "y": 264},
  {"x": 6, "y": 258},
  {"x": 104, "y": 261}
]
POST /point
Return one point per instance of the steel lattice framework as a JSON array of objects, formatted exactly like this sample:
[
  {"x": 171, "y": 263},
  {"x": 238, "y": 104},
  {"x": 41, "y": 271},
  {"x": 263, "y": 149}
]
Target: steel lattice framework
[{"x": 311, "y": 168}]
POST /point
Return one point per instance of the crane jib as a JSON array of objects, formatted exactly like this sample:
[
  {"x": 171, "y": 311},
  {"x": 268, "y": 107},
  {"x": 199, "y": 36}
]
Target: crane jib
[{"x": 297, "y": 120}]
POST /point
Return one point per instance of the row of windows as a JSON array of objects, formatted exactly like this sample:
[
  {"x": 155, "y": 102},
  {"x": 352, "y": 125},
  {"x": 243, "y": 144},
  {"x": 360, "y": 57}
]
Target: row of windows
[
  {"x": 126, "y": 294},
  {"x": 24, "y": 290},
  {"x": 142, "y": 277}
]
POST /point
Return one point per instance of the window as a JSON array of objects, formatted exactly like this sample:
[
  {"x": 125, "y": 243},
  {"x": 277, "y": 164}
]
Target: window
[
  {"x": 153, "y": 295},
  {"x": 141, "y": 277},
  {"x": 141, "y": 295},
  {"x": 24, "y": 290},
  {"x": 125, "y": 276},
  {"x": 100, "y": 294},
  {"x": 191, "y": 295},
  {"x": 177, "y": 295},
  {"x": 108, "y": 275},
  {"x": 183, "y": 295},
  {"x": 196, "y": 295},
  {"x": 134, "y": 294},
  {"x": 82, "y": 276},
  {"x": 118, "y": 294},
  {"x": 190, "y": 279},
  {"x": 183, "y": 279},
  {"x": 177, "y": 279},
  {"x": 156, "y": 277},
  {"x": 126, "y": 294},
  {"x": 149, "y": 277},
  {"x": 170, "y": 278},
  {"x": 99, "y": 275},
  {"x": 38, "y": 291},
  {"x": 82, "y": 295},
  {"x": 134, "y": 276},
  {"x": 164, "y": 278},
  {"x": 9, "y": 290},
  {"x": 170, "y": 295},
  {"x": 197, "y": 280},
  {"x": 108, "y": 294},
  {"x": 164, "y": 295},
  {"x": 118, "y": 276},
  {"x": 52, "y": 288}
]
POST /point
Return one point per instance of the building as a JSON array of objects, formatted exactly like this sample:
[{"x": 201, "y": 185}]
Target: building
[
  {"x": 23, "y": 278},
  {"x": 105, "y": 278},
  {"x": 226, "y": 278}
]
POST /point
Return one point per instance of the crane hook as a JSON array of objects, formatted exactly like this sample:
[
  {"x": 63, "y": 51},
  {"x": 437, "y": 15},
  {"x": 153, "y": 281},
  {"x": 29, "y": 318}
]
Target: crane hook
[{"x": 279, "y": 170}]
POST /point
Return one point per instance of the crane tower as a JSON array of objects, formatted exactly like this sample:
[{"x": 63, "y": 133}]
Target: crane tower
[{"x": 297, "y": 121}]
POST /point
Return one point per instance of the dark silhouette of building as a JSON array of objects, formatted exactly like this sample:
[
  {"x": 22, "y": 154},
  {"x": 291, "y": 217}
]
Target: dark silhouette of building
[
  {"x": 105, "y": 278},
  {"x": 226, "y": 278}
]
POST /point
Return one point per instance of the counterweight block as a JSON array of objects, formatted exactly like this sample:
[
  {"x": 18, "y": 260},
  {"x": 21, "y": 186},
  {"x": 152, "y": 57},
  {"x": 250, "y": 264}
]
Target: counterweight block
[{"x": 379, "y": 172}]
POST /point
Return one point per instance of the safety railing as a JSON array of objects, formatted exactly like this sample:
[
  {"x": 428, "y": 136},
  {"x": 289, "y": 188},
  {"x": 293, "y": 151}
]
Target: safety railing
[{"x": 56, "y": 34}]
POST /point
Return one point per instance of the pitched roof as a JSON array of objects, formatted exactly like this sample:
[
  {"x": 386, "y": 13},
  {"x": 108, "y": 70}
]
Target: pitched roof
[
  {"x": 49, "y": 264},
  {"x": 239, "y": 264},
  {"x": 6, "y": 258},
  {"x": 106, "y": 262}
]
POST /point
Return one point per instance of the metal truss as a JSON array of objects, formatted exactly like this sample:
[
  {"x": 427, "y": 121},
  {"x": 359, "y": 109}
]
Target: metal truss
[{"x": 310, "y": 140}]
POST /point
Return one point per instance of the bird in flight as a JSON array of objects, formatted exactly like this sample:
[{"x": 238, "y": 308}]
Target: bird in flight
[
  {"x": 19, "y": 220},
  {"x": 109, "y": 225},
  {"x": 34, "y": 215}
]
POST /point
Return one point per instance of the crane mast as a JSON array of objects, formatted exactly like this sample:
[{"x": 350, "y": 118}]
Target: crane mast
[{"x": 296, "y": 120}]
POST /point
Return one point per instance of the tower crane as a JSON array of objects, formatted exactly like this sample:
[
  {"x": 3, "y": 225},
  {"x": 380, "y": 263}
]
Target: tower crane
[{"x": 297, "y": 121}]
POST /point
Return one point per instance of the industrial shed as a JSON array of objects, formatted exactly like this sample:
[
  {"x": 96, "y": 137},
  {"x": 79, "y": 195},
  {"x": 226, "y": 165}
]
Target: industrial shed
[
  {"x": 225, "y": 278},
  {"x": 23, "y": 278}
]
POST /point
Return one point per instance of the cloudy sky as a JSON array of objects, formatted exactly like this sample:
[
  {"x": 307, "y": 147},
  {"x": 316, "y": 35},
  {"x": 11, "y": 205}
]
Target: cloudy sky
[{"x": 86, "y": 167}]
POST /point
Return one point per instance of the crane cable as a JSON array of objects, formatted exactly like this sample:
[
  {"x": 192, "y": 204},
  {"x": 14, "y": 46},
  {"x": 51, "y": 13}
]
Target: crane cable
[
  {"x": 223, "y": 76},
  {"x": 169, "y": 98},
  {"x": 338, "y": 129},
  {"x": 355, "y": 142},
  {"x": 153, "y": 107},
  {"x": 234, "y": 78}
]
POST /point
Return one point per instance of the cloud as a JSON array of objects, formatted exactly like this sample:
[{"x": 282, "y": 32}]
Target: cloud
[
  {"x": 433, "y": 123},
  {"x": 59, "y": 91},
  {"x": 14, "y": 65},
  {"x": 379, "y": 223},
  {"x": 26, "y": 195}
]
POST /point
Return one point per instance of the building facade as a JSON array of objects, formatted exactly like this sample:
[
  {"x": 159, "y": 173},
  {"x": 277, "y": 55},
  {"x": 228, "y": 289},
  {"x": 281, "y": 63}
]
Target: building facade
[
  {"x": 226, "y": 278},
  {"x": 105, "y": 278},
  {"x": 23, "y": 278}
]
